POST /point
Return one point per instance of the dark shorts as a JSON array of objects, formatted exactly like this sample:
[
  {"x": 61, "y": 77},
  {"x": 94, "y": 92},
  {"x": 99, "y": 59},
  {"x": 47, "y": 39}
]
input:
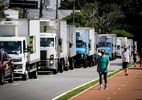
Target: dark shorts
[{"x": 125, "y": 65}]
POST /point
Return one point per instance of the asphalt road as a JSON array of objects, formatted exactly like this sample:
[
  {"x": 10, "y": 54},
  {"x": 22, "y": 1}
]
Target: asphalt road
[{"x": 48, "y": 86}]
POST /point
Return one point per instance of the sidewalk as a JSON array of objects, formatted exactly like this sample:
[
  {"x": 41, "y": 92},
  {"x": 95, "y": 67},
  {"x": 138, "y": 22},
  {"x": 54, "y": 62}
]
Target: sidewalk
[{"x": 120, "y": 87}]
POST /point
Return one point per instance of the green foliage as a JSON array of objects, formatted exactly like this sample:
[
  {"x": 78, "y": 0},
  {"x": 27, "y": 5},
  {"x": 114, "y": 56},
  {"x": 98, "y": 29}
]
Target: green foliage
[
  {"x": 2, "y": 15},
  {"x": 66, "y": 4},
  {"x": 122, "y": 33},
  {"x": 79, "y": 19}
]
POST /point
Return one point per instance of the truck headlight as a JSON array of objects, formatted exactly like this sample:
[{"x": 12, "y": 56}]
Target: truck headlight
[
  {"x": 51, "y": 62},
  {"x": 51, "y": 56},
  {"x": 82, "y": 55}
]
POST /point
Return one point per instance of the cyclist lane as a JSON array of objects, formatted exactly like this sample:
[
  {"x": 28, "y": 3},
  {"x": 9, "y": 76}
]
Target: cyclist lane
[{"x": 120, "y": 87}]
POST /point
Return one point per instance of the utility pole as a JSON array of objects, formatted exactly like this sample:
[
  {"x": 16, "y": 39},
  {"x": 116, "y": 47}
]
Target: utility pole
[
  {"x": 40, "y": 10},
  {"x": 73, "y": 11},
  {"x": 56, "y": 9}
]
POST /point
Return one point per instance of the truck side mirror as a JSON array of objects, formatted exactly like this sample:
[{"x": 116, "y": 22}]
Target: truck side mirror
[
  {"x": 28, "y": 49},
  {"x": 89, "y": 46},
  {"x": 59, "y": 41},
  {"x": 97, "y": 45},
  {"x": 70, "y": 45}
]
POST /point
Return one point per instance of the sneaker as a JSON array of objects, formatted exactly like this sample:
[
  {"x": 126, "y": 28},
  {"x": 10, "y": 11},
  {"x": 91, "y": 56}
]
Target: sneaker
[
  {"x": 100, "y": 88},
  {"x": 105, "y": 87},
  {"x": 126, "y": 74}
]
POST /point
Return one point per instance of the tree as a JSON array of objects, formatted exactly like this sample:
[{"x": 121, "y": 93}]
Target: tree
[
  {"x": 2, "y": 7},
  {"x": 79, "y": 19},
  {"x": 122, "y": 33}
]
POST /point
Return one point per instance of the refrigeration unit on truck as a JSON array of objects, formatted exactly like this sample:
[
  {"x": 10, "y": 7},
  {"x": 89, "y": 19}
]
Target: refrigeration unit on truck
[
  {"x": 21, "y": 40},
  {"x": 85, "y": 46},
  {"x": 53, "y": 46},
  {"x": 108, "y": 43},
  {"x": 121, "y": 42},
  {"x": 71, "y": 37}
]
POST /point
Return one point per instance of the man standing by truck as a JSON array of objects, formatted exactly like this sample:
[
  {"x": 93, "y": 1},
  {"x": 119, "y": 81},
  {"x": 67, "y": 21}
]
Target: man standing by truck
[{"x": 126, "y": 58}]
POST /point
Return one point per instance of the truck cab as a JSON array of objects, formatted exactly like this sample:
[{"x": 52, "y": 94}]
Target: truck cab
[
  {"x": 107, "y": 46},
  {"x": 16, "y": 47},
  {"x": 48, "y": 51}
]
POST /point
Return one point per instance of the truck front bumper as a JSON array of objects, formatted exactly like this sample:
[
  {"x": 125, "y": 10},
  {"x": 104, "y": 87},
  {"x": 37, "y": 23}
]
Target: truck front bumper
[{"x": 45, "y": 65}]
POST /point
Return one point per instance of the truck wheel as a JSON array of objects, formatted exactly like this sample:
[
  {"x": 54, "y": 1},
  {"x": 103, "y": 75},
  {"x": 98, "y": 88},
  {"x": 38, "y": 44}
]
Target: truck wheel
[
  {"x": 67, "y": 67},
  {"x": 2, "y": 78},
  {"x": 93, "y": 63},
  {"x": 24, "y": 76},
  {"x": 30, "y": 75},
  {"x": 11, "y": 77},
  {"x": 61, "y": 66},
  {"x": 34, "y": 74},
  {"x": 90, "y": 63},
  {"x": 85, "y": 64},
  {"x": 72, "y": 64}
]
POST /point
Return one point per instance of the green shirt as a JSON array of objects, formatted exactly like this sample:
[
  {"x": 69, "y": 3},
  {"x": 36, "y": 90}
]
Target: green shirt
[{"x": 102, "y": 63}]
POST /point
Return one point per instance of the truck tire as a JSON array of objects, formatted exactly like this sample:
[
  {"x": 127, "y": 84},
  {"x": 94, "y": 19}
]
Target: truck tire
[
  {"x": 24, "y": 76},
  {"x": 67, "y": 67},
  {"x": 90, "y": 63},
  {"x": 85, "y": 64},
  {"x": 72, "y": 64},
  {"x": 35, "y": 74},
  {"x": 93, "y": 63},
  {"x": 11, "y": 77},
  {"x": 2, "y": 78},
  {"x": 61, "y": 64}
]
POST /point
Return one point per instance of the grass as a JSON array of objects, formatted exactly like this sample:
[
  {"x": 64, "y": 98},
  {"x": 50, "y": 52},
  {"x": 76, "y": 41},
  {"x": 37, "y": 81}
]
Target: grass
[{"x": 83, "y": 88}]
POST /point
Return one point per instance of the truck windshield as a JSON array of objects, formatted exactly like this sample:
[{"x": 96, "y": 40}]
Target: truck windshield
[
  {"x": 80, "y": 44},
  {"x": 104, "y": 44},
  {"x": 47, "y": 42},
  {"x": 118, "y": 47},
  {"x": 11, "y": 47}
]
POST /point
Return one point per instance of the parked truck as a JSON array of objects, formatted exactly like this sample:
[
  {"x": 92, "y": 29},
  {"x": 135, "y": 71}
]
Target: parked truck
[
  {"x": 135, "y": 45},
  {"x": 53, "y": 46},
  {"x": 130, "y": 45},
  {"x": 121, "y": 42},
  {"x": 20, "y": 39},
  {"x": 71, "y": 37},
  {"x": 108, "y": 43},
  {"x": 95, "y": 47},
  {"x": 85, "y": 46}
]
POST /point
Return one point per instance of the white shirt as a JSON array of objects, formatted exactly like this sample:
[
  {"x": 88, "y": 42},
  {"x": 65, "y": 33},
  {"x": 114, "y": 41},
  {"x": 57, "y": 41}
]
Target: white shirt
[{"x": 126, "y": 56}]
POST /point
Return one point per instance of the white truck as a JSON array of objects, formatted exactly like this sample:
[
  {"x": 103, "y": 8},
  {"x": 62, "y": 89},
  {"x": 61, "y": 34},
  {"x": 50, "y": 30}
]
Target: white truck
[
  {"x": 85, "y": 46},
  {"x": 135, "y": 45},
  {"x": 20, "y": 39},
  {"x": 121, "y": 42},
  {"x": 95, "y": 46},
  {"x": 130, "y": 45},
  {"x": 53, "y": 46},
  {"x": 71, "y": 37},
  {"x": 108, "y": 43}
]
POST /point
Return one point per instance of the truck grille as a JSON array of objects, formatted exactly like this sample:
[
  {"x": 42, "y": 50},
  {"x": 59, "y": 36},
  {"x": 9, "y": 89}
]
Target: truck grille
[
  {"x": 78, "y": 56},
  {"x": 43, "y": 54}
]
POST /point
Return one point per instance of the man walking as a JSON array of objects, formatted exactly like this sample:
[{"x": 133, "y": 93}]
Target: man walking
[{"x": 126, "y": 58}]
